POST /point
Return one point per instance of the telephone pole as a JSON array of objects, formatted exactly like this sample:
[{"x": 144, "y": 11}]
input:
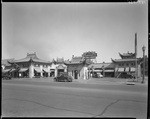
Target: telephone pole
[{"x": 136, "y": 67}]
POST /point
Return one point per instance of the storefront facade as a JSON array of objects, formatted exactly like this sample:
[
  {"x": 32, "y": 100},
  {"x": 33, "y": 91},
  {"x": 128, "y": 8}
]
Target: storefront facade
[
  {"x": 106, "y": 69},
  {"x": 127, "y": 63},
  {"x": 57, "y": 67},
  {"x": 30, "y": 66},
  {"x": 78, "y": 68}
]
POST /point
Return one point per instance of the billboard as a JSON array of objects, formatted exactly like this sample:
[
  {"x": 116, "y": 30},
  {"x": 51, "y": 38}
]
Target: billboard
[{"x": 89, "y": 55}]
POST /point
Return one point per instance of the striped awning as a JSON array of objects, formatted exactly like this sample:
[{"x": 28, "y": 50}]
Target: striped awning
[
  {"x": 37, "y": 69},
  {"x": 132, "y": 69},
  {"x": 6, "y": 70},
  {"x": 120, "y": 69},
  {"x": 109, "y": 70},
  {"x": 46, "y": 70},
  {"x": 127, "y": 69},
  {"x": 23, "y": 69}
]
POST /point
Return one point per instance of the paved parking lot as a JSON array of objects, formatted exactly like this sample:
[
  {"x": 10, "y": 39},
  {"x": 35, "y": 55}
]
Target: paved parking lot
[
  {"x": 41, "y": 97},
  {"x": 104, "y": 80}
]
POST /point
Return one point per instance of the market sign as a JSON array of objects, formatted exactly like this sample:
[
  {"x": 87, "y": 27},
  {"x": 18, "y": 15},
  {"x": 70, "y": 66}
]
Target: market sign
[{"x": 89, "y": 55}]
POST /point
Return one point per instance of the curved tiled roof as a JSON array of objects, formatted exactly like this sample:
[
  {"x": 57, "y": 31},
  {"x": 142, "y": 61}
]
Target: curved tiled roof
[
  {"x": 75, "y": 60},
  {"x": 123, "y": 60},
  {"x": 5, "y": 61},
  {"x": 29, "y": 57},
  {"x": 127, "y": 55},
  {"x": 102, "y": 65}
]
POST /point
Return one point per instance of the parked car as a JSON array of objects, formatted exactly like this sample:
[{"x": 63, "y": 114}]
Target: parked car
[
  {"x": 97, "y": 75},
  {"x": 6, "y": 76},
  {"x": 100, "y": 75},
  {"x": 127, "y": 75},
  {"x": 64, "y": 77}
]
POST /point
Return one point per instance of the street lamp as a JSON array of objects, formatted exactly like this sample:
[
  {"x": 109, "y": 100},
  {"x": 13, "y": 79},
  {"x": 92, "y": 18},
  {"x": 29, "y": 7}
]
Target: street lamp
[{"x": 143, "y": 48}]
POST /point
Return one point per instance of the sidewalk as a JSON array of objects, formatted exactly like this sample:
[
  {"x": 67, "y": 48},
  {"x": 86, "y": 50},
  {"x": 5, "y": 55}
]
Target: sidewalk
[
  {"x": 105, "y": 80},
  {"x": 112, "y": 81}
]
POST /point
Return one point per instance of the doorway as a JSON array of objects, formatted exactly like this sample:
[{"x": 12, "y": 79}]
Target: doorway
[{"x": 75, "y": 74}]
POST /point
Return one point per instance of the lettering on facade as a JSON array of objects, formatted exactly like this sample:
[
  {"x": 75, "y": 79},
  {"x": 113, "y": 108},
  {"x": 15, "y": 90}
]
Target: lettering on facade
[{"x": 89, "y": 55}]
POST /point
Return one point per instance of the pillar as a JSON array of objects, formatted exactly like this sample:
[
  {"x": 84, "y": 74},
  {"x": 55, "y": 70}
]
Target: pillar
[
  {"x": 49, "y": 71},
  {"x": 139, "y": 71},
  {"x": 56, "y": 72},
  {"x": 65, "y": 70},
  {"x": 103, "y": 72},
  {"x": 41, "y": 67},
  {"x": 31, "y": 71}
]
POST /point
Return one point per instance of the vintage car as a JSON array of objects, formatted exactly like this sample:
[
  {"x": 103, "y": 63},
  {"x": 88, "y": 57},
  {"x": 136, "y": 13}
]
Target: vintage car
[
  {"x": 6, "y": 76},
  {"x": 63, "y": 77},
  {"x": 97, "y": 75}
]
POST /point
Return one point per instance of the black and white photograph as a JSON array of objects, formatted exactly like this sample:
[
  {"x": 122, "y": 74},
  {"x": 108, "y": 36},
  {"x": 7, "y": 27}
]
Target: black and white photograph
[{"x": 74, "y": 59}]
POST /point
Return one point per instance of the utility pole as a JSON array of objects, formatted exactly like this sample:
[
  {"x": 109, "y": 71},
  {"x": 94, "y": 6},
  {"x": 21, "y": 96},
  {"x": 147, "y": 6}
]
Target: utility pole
[
  {"x": 136, "y": 68},
  {"x": 143, "y": 48}
]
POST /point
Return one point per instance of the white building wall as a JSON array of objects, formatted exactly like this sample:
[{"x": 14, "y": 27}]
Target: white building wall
[
  {"x": 41, "y": 68},
  {"x": 31, "y": 71},
  {"x": 48, "y": 70}
]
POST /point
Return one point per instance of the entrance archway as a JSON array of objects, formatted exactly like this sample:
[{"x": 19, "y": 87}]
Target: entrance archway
[{"x": 75, "y": 74}]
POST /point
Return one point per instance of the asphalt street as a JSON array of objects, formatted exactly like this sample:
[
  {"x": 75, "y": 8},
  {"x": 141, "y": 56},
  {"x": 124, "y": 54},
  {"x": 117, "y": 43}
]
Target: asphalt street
[{"x": 45, "y": 98}]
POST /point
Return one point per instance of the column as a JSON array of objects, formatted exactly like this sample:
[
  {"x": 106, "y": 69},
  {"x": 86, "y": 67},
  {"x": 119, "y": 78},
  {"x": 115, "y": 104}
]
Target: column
[
  {"x": 65, "y": 70},
  {"x": 103, "y": 72},
  {"x": 56, "y": 72},
  {"x": 49, "y": 71},
  {"x": 41, "y": 67},
  {"x": 139, "y": 71},
  {"x": 31, "y": 71}
]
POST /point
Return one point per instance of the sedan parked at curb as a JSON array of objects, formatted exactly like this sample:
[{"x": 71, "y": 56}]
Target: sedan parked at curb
[{"x": 64, "y": 77}]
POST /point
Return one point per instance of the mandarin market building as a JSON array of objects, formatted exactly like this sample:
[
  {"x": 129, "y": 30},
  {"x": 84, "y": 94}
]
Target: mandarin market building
[
  {"x": 31, "y": 66},
  {"x": 78, "y": 67},
  {"x": 127, "y": 63}
]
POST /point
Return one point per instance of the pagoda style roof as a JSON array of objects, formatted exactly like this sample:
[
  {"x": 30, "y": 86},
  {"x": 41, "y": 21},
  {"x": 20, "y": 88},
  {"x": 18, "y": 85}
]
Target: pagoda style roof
[
  {"x": 127, "y": 55},
  {"x": 6, "y": 61},
  {"x": 123, "y": 60},
  {"x": 75, "y": 60},
  {"x": 101, "y": 65},
  {"x": 30, "y": 57}
]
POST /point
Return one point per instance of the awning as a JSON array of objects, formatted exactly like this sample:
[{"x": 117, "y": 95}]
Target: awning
[
  {"x": 37, "y": 69},
  {"x": 6, "y": 70},
  {"x": 120, "y": 69},
  {"x": 127, "y": 69},
  {"x": 132, "y": 69},
  {"x": 23, "y": 69},
  {"x": 97, "y": 70},
  {"x": 109, "y": 70},
  {"x": 60, "y": 67},
  {"x": 13, "y": 70},
  {"x": 46, "y": 70}
]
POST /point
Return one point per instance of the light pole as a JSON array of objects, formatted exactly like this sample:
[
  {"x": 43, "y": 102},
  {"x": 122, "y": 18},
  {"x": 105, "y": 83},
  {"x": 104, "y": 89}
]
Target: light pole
[{"x": 143, "y": 48}]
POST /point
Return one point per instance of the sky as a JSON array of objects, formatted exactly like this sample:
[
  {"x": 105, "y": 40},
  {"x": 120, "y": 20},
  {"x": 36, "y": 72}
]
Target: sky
[{"x": 60, "y": 30}]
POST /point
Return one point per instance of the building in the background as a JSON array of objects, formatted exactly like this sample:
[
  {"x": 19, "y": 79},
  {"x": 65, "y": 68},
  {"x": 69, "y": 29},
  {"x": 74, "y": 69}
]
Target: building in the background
[
  {"x": 5, "y": 66},
  {"x": 30, "y": 66},
  {"x": 106, "y": 69},
  {"x": 57, "y": 67},
  {"x": 77, "y": 67},
  {"x": 127, "y": 63}
]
